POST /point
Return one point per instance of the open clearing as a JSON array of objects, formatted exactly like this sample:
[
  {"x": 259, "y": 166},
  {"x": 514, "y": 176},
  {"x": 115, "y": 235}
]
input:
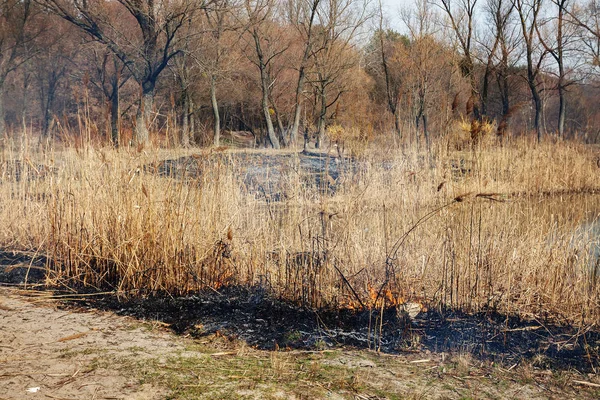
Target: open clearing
[{"x": 73, "y": 353}]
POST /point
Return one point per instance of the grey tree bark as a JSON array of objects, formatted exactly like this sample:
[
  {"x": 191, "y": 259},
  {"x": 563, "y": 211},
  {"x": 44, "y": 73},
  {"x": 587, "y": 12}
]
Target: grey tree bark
[
  {"x": 144, "y": 115},
  {"x": 322, "y": 117},
  {"x": 215, "y": 109},
  {"x": 2, "y": 122},
  {"x": 557, "y": 52},
  {"x": 308, "y": 42},
  {"x": 528, "y": 11},
  {"x": 264, "y": 86},
  {"x": 115, "y": 112},
  {"x": 185, "y": 127}
]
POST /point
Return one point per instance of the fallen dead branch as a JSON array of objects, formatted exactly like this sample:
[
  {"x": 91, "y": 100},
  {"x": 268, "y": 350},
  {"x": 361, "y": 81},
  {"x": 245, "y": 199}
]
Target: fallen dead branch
[{"x": 585, "y": 383}]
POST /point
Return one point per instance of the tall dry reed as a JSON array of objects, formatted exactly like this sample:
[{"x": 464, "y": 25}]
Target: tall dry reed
[{"x": 506, "y": 228}]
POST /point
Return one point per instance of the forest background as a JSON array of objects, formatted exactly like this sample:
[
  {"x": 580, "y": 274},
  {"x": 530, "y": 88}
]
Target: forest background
[{"x": 280, "y": 73}]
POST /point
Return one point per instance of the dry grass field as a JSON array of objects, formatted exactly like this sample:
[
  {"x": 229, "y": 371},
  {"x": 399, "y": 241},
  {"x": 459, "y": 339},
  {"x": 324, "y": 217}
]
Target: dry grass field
[
  {"x": 494, "y": 233},
  {"x": 511, "y": 228}
]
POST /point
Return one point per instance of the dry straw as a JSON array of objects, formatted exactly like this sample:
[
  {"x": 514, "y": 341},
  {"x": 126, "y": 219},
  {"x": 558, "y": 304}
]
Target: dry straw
[{"x": 489, "y": 228}]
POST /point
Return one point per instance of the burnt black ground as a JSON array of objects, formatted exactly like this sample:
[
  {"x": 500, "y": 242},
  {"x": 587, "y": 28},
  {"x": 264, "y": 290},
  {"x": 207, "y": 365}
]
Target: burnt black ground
[
  {"x": 251, "y": 315},
  {"x": 19, "y": 267},
  {"x": 265, "y": 322},
  {"x": 266, "y": 175}
]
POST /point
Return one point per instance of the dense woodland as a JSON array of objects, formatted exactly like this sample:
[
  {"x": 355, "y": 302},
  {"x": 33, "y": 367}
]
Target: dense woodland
[{"x": 188, "y": 72}]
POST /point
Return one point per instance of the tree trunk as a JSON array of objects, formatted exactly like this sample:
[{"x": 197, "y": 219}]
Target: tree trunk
[
  {"x": 486, "y": 76},
  {"x": 322, "y": 117},
  {"x": 26, "y": 76},
  {"x": 114, "y": 108},
  {"x": 2, "y": 123},
  {"x": 264, "y": 83},
  {"x": 265, "y": 107},
  {"x": 185, "y": 128},
  {"x": 390, "y": 91},
  {"x": 398, "y": 123},
  {"x": 114, "y": 115},
  {"x": 280, "y": 128},
  {"x": 426, "y": 132},
  {"x": 559, "y": 55},
  {"x": 144, "y": 114},
  {"x": 215, "y": 109},
  {"x": 293, "y": 138},
  {"x": 270, "y": 129},
  {"x": 47, "y": 122},
  {"x": 485, "y": 90},
  {"x": 561, "y": 109},
  {"x": 537, "y": 101},
  {"x": 421, "y": 116},
  {"x": 476, "y": 104},
  {"x": 192, "y": 122},
  {"x": 282, "y": 133},
  {"x": 503, "y": 88}
]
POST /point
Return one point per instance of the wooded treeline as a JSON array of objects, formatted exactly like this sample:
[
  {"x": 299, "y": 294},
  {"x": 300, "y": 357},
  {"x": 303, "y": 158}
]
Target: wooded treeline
[{"x": 288, "y": 71}]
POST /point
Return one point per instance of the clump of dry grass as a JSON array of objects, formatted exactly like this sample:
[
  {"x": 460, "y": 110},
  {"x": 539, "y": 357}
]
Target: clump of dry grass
[{"x": 460, "y": 229}]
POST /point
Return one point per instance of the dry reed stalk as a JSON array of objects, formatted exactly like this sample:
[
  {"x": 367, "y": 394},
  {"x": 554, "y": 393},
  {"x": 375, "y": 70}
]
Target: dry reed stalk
[{"x": 109, "y": 221}]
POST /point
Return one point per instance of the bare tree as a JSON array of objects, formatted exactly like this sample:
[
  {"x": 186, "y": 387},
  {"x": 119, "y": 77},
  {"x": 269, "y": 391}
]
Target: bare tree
[
  {"x": 585, "y": 19},
  {"x": 587, "y": 16},
  {"x": 209, "y": 52},
  {"x": 14, "y": 16},
  {"x": 146, "y": 48},
  {"x": 53, "y": 62},
  {"x": 461, "y": 14},
  {"x": 494, "y": 42},
  {"x": 267, "y": 45},
  {"x": 108, "y": 74},
  {"x": 302, "y": 14},
  {"x": 217, "y": 20},
  {"x": 186, "y": 72},
  {"x": 339, "y": 22},
  {"x": 424, "y": 63},
  {"x": 500, "y": 14},
  {"x": 557, "y": 46},
  {"x": 528, "y": 12},
  {"x": 393, "y": 81}
]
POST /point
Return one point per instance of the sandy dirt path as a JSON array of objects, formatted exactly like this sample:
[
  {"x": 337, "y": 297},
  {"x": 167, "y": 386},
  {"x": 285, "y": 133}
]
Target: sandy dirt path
[{"x": 45, "y": 352}]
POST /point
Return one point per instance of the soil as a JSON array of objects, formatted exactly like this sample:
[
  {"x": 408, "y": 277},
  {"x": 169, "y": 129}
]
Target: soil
[
  {"x": 243, "y": 343},
  {"x": 266, "y": 175},
  {"x": 45, "y": 352},
  {"x": 251, "y": 315},
  {"x": 52, "y": 348}
]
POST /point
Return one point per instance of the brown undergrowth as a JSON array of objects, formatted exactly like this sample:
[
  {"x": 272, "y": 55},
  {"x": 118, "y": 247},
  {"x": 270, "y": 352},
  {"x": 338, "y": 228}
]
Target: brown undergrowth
[{"x": 440, "y": 229}]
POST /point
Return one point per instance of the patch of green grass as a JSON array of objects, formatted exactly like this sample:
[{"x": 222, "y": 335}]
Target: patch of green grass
[
  {"x": 223, "y": 370},
  {"x": 136, "y": 349},
  {"x": 193, "y": 374},
  {"x": 291, "y": 337}
]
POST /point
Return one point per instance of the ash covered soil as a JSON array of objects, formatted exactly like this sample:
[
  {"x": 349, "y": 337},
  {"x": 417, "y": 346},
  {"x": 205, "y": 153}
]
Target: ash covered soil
[
  {"x": 62, "y": 346},
  {"x": 270, "y": 176},
  {"x": 242, "y": 343}
]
